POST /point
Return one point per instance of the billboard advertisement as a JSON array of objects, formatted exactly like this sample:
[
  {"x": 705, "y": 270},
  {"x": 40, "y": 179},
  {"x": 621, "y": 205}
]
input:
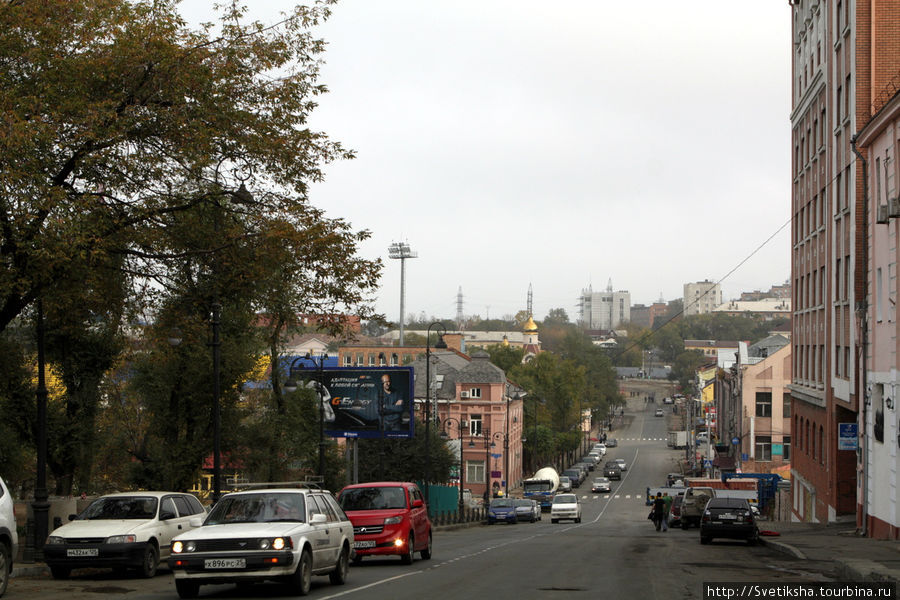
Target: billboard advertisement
[{"x": 367, "y": 402}]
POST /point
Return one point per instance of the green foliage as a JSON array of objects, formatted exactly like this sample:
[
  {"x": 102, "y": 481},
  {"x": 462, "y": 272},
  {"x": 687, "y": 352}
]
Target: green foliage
[
  {"x": 505, "y": 357},
  {"x": 17, "y": 412},
  {"x": 404, "y": 459},
  {"x": 685, "y": 368}
]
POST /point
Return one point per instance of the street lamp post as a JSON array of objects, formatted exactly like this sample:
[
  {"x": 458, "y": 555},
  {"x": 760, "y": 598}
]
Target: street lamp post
[
  {"x": 41, "y": 507},
  {"x": 439, "y": 345},
  {"x": 461, "y": 465},
  {"x": 505, "y": 437},
  {"x": 291, "y": 386}
]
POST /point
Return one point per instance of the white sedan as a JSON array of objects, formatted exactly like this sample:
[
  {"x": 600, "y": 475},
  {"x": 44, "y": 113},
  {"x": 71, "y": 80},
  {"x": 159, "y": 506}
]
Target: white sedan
[
  {"x": 622, "y": 464},
  {"x": 565, "y": 506}
]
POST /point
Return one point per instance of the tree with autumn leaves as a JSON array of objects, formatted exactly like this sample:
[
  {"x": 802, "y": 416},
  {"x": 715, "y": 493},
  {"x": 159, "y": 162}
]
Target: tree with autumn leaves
[{"x": 149, "y": 171}]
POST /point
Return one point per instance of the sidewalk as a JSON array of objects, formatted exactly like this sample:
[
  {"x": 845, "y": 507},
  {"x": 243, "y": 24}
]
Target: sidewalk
[{"x": 857, "y": 558}]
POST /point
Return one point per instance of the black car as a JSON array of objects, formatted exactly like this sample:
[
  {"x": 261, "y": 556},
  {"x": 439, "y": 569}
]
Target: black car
[
  {"x": 612, "y": 470},
  {"x": 729, "y": 518},
  {"x": 575, "y": 475}
]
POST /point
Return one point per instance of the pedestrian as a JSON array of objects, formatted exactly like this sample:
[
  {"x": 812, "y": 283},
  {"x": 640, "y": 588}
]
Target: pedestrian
[
  {"x": 667, "y": 502},
  {"x": 659, "y": 507}
]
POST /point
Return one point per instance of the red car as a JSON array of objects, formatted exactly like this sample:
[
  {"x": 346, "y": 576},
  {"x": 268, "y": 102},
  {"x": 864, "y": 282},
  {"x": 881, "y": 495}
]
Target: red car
[{"x": 389, "y": 518}]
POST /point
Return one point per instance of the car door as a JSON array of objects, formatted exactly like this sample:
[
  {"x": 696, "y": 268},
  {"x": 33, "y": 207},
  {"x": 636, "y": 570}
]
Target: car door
[
  {"x": 169, "y": 524},
  {"x": 419, "y": 517},
  {"x": 326, "y": 536}
]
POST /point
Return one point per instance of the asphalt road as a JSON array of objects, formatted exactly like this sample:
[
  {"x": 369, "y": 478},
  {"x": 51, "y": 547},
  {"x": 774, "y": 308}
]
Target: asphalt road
[{"x": 613, "y": 553}]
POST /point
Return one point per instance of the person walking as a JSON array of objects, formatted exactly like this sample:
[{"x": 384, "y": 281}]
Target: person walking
[
  {"x": 659, "y": 507},
  {"x": 667, "y": 507}
]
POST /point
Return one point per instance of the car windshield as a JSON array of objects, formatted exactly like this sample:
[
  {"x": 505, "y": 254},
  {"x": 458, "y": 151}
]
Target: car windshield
[
  {"x": 121, "y": 507},
  {"x": 537, "y": 486},
  {"x": 564, "y": 499},
  {"x": 601, "y": 480},
  {"x": 373, "y": 498},
  {"x": 524, "y": 503},
  {"x": 265, "y": 507},
  {"x": 502, "y": 504}
]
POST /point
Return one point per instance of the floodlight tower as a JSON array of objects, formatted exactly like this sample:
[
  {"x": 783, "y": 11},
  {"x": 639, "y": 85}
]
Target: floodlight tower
[{"x": 402, "y": 251}]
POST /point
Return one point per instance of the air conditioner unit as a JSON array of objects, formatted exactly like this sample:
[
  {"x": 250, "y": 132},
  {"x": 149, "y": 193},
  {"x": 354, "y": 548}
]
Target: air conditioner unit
[
  {"x": 893, "y": 207},
  {"x": 881, "y": 217},
  {"x": 464, "y": 394}
]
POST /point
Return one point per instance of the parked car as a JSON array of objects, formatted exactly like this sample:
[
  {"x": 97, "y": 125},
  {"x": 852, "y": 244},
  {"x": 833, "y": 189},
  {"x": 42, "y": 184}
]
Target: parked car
[
  {"x": 527, "y": 509},
  {"x": 612, "y": 470},
  {"x": 612, "y": 443},
  {"x": 728, "y": 518},
  {"x": 675, "y": 511},
  {"x": 565, "y": 484},
  {"x": 586, "y": 465},
  {"x": 282, "y": 534},
  {"x": 622, "y": 464},
  {"x": 575, "y": 475},
  {"x": 565, "y": 506},
  {"x": 599, "y": 448},
  {"x": 9, "y": 540},
  {"x": 659, "y": 412},
  {"x": 502, "y": 510},
  {"x": 126, "y": 530},
  {"x": 600, "y": 485},
  {"x": 695, "y": 499}
]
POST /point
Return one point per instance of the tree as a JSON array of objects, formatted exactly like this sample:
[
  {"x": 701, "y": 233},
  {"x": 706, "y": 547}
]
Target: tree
[
  {"x": 117, "y": 117},
  {"x": 556, "y": 316},
  {"x": 505, "y": 357}
]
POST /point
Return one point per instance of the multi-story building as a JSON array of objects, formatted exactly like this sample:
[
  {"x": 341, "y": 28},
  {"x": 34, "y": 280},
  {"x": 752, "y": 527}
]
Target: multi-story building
[
  {"x": 605, "y": 310},
  {"x": 833, "y": 63},
  {"x": 765, "y": 308},
  {"x": 755, "y": 408},
  {"x": 878, "y": 143},
  {"x": 701, "y": 298},
  {"x": 646, "y": 316}
]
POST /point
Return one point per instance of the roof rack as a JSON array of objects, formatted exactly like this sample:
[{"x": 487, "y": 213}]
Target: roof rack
[{"x": 313, "y": 483}]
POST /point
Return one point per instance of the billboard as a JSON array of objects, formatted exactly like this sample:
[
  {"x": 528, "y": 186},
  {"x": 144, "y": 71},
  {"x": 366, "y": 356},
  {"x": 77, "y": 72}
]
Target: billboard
[{"x": 367, "y": 402}]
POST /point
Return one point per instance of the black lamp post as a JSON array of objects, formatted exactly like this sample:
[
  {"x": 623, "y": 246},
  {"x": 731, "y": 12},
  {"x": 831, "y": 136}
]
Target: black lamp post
[
  {"x": 505, "y": 437},
  {"x": 291, "y": 386},
  {"x": 442, "y": 345},
  {"x": 41, "y": 507},
  {"x": 461, "y": 465}
]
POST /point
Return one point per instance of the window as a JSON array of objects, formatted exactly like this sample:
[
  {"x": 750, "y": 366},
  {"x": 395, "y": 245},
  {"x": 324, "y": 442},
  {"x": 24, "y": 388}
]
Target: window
[
  {"x": 786, "y": 442},
  {"x": 359, "y": 359},
  {"x": 475, "y": 471},
  {"x": 879, "y": 293},
  {"x": 371, "y": 360},
  {"x": 348, "y": 360},
  {"x": 394, "y": 361},
  {"x": 475, "y": 393},
  {"x": 475, "y": 425},
  {"x": 763, "y": 447},
  {"x": 821, "y": 444},
  {"x": 764, "y": 404}
]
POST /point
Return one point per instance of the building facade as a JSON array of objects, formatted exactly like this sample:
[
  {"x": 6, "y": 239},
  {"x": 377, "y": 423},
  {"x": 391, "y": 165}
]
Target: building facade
[
  {"x": 701, "y": 298},
  {"x": 605, "y": 310},
  {"x": 878, "y": 143},
  {"x": 832, "y": 77}
]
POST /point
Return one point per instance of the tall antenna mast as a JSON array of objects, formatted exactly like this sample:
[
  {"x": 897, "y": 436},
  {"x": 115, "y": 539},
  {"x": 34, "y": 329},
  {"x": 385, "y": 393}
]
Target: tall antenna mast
[
  {"x": 459, "y": 309},
  {"x": 530, "y": 298}
]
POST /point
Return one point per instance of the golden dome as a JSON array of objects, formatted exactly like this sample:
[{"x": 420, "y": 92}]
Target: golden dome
[
  {"x": 505, "y": 341},
  {"x": 530, "y": 326}
]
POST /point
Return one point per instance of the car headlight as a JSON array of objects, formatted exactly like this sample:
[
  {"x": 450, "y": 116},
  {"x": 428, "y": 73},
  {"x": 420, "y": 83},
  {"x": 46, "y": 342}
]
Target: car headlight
[
  {"x": 393, "y": 520},
  {"x": 55, "y": 539},
  {"x": 177, "y": 547},
  {"x": 121, "y": 539},
  {"x": 280, "y": 543}
]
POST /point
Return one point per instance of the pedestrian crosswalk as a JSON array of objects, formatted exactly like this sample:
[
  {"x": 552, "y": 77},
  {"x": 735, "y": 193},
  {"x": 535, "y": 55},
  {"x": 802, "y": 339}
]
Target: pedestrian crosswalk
[
  {"x": 645, "y": 439},
  {"x": 613, "y": 496}
]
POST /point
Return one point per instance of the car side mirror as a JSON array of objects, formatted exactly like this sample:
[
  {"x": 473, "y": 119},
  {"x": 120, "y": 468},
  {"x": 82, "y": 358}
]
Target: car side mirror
[
  {"x": 318, "y": 518},
  {"x": 417, "y": 503},
  {"x": 166, "y": 515},
  {"x": 195, "y": 522}
]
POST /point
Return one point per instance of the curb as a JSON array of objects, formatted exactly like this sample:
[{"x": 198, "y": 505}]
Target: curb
[
  {"x": 30, "y": 570},
  {"x": 783, "y": 548},
  {"x": 854, "y": 569}
]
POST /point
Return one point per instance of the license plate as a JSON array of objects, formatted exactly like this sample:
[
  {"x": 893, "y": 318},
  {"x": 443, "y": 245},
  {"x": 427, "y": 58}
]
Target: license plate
[
  {"x": 225, "y": 563},
  {"x": 727, "y": 517},
  {"x": 81, "y": 552},
  {"x": 364, "y": 544}
]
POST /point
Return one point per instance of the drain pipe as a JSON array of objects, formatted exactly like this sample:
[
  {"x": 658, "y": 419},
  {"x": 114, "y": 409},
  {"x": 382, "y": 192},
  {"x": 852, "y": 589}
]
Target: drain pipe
[{"x": 862, "y": 309}]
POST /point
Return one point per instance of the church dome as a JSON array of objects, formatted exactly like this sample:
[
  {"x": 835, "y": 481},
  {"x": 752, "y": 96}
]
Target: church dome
[{"x": 531, "y": 326}]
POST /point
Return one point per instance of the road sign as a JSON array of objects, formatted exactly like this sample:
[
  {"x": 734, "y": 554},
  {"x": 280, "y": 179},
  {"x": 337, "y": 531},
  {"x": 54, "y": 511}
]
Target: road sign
[
  {"x": 735, "y": 441},
  {"x": 848, "y": 436},
  {"x": 707, "y": 464}
]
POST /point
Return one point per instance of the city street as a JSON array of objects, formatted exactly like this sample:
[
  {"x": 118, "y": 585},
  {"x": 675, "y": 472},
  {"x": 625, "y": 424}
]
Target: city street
[{"x": 613, "y": 552}]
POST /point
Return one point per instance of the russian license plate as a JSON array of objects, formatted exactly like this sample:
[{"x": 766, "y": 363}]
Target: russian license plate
[
  {"x": 364, "y": 544},
  {"x": 81, "y": 552},
  {"x": 727, "y": 517},
  {"x": 225, "y": 563}
]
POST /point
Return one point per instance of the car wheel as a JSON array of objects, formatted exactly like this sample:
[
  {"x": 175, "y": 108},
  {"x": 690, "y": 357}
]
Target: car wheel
[
  {"x": 60, "y": 572},
  {"x": 705, "y": 539},
  {"x": 533, "y": 518},
  {"x": 301, "y": 580},
  {"x": 426, "y": 553},
  {"x": 753, "y": 539},
  {"x": 409, "y": 556},
  {"x": 150, "y": 562},
  {"x": 554, "y": 520},
  {"x": 578, "y": 520},
  {"x": 4, "y": 568},
  {"x": 187, "y": 588},
  {"x": 684, "y": 524},
  {"x": 357, "y": 559},
  {"x": 342, "y": 568}
]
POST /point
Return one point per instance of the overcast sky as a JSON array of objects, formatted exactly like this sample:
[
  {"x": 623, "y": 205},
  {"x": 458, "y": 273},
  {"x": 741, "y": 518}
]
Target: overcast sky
[{"x": 560, "y": 145}]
